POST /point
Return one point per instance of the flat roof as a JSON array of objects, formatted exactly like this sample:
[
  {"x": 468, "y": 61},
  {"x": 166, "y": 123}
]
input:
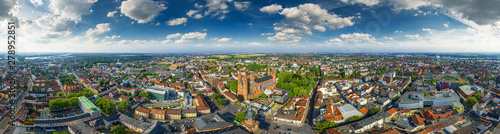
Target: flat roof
[
  {"x": 212, "y": 121},
  {"x": 349, "y": 111},
  {"x": 88, "y": 104},
  {"x": 61, "y": 120}
]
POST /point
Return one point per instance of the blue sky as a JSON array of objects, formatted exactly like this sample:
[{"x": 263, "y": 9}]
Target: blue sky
[{"x": 262, "y": 26}]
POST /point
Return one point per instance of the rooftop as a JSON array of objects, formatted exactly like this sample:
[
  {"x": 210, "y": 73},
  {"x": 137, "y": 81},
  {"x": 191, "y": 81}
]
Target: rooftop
[
  {"x": 88, "y": 104},
  {"x": 212, "y": 121}
]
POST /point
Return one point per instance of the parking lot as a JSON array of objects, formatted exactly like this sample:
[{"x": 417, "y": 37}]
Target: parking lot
[{"x": 280, "y": 128}]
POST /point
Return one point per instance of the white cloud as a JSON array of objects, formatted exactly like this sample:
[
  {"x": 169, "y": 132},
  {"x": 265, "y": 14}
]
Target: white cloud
[
  {"x": 73, "y": 9},
  {"x": 198, "y": 16},
  {"x": 446, "y": 24},
  {"x": 111, "y": 14},
  {"x": 413, "y": 36},
  {"x": 267, "y": 34},
  {"x": 366, "y": 2},
  {"x": 282, "y": 37},
  {"x": 217, "y": 8},
  {"x": 336, "y": 41},
  {"x": 427, "y": 30},
  {"x": 274, "y": 8},
  {"x": 304, "y": 18},
  {"x": 190, "y": 13},
  {"x": 100, "y": 28},
  {"x": 143, "y": 11},
  {"x": 174, "y": 36},
  {"x": 241, "y": 6},
  {"x": 353, "y": 38},
  {"x": 189, "y": 36},
  {"x": 7, "y": 8},
  {"x": 112, "y": 37},
  {"x": 115, "y": 37},
  {"x": 482, "y": 12},
  {"x": 224, "y": 39},
  {"x": 313, "y": 14},
  {"x": 409, "y": 4},
  {"x": 388, "y": 38},
  {"x": 177, "y": 21},
  {"x": 36, "y": 2},
  {"x": 54, "y": 26},
  {"x": 397, "y": 31},
  {"x": 254, "y": 43}
]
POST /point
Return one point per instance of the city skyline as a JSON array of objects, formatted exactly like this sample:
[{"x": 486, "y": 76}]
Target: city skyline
[{"x": 235, "y": 26}]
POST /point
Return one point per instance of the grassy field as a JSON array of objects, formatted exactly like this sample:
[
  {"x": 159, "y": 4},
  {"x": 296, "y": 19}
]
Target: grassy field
[
  {"x": 247, "y": 55},
  {"x": 221, "y": 56},
  {"x": 443, "y": 61}
]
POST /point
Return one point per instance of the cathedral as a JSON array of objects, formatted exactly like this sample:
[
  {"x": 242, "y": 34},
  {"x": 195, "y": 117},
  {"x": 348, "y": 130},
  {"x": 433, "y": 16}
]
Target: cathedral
[{"x": 249, "y": 87}]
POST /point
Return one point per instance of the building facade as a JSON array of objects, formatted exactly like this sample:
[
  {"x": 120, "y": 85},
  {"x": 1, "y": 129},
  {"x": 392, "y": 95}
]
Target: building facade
[{"x": 249, "y": 87}]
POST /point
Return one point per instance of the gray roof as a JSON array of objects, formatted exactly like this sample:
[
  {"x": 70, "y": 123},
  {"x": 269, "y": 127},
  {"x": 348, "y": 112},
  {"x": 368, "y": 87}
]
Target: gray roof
[
  {"x": 349, "y": 111},
  {"x": 82, "y": 128},
  {"x": 139, "y": 124},
  {"x": 405, "y": 122},
  {"x": 61, "y": 120},
  {"x": 265, "y": 78},
  {"x": 211, "y": 121},
  {"x": 156, "y": 128},
  {"x": 238, "y": 130},
  {"x": 249, "y": 114},
  {"x": 367, "y": 121}
]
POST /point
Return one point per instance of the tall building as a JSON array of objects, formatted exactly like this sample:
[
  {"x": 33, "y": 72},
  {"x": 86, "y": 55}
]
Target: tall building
[{"x": 249, "y": 87}]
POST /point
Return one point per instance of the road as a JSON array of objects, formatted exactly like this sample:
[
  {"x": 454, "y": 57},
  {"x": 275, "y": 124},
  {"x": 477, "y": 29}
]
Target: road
[
  {"x": 284, "y": 128},
  {"x": 310, "y": 115},
  {"x": 163, "y": 103}
]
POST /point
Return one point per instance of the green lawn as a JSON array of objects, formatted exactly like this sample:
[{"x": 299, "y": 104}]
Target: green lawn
[{"x": 443, "y": 61}]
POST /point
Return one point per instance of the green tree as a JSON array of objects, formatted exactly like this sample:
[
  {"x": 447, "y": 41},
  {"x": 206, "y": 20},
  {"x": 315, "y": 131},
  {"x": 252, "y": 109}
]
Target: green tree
[
  {"x": 240, "y": 98},
  {"x": 60, "y": 133},
  {"x": 145, "y": 94},
  {"x": 374, "y": 110},
  {"x": 354, "y": 118},
  {"x": 425, "y": 93},
  {"x": 221, "y": 101},
  {"x": 263, "y": 95},
  {"x": 321, "y": 126},
  {"x": 124, "y": 105},
  {"x": 109, "y": 107},
  {"x": 478, "y": 96},
  {"x": 105, "y": 105},
  {"x": 215, "y": 96},
  {"x": 470, "y": 101},
  {"x": 60, "y": 94},
  {"x": 240, "y": 117},
  {"x": 118, "y": 129}
]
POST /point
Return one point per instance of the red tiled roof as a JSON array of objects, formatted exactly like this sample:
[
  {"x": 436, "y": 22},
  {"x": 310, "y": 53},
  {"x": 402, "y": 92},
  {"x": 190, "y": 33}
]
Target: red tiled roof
[{"x": 142, "y": 109}]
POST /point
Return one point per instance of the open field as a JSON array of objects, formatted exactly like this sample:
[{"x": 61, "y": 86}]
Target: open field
[
  {"x": 443, "y": 61},
  {"x": 247, "y": 55}
]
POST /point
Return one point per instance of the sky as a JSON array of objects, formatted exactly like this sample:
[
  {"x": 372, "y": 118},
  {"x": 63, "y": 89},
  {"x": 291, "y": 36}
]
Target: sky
[{"x": 259, "y": 26}]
